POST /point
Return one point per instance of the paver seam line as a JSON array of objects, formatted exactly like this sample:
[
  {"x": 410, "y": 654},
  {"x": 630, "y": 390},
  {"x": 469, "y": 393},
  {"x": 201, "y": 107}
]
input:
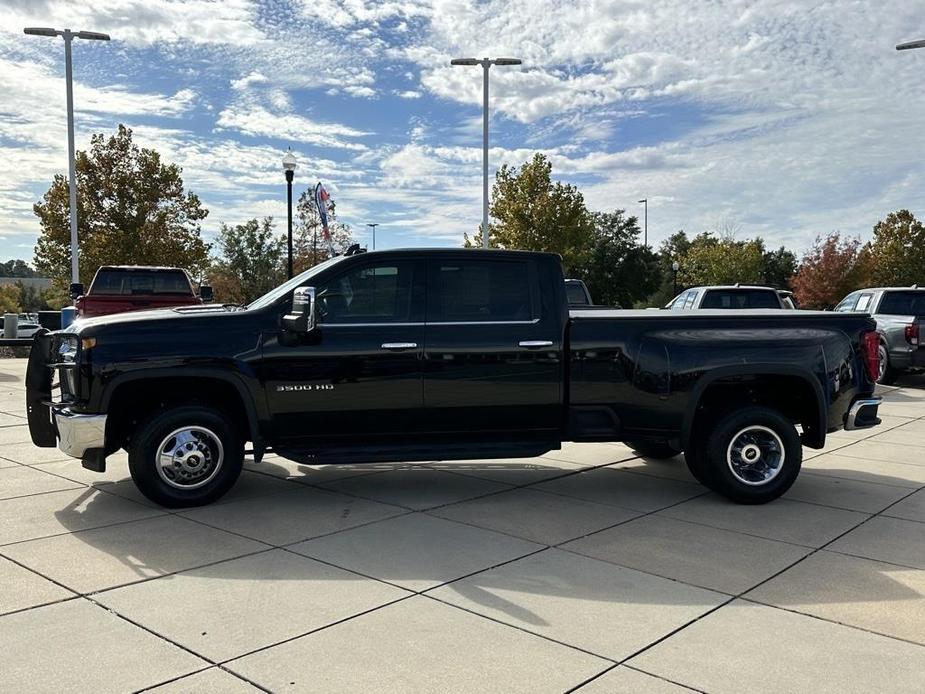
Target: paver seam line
[
  {"x": 833, "y": 621},
  {"x": 224, "y": 663},
  {"x": 665, "y": 679},
  {"x": 903, "y": 518},
  {"x": 523, "y": 630},
  {"x": 43, "y": 604},
  {"x": 766, "y": 580},
  {"x": 578, "y": 686},
  {"x": 193, "y": 674}
]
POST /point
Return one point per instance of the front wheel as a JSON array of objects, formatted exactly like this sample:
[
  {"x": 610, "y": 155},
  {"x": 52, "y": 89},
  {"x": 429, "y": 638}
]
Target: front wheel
[
  {"x": 185, "y": 456},
  {"x": 752, "y": 456}
]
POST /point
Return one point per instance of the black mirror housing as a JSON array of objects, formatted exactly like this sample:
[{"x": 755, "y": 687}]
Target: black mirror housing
[
  {"x": 76, "y": 289},
  {"x": 205, "y": 293},
  {"x": 301, "y": 318}
]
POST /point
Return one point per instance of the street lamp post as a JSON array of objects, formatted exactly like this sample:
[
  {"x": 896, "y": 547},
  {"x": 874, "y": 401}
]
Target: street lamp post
[
  {"x": 373, "y": 227},
  {"x": 675, "y": 266},
  {"x": 68, "y": 37},
  {"x": 645, "y": 224},
  {"x": 486, "y": 63},
  {"x": 289, "y": 168}
]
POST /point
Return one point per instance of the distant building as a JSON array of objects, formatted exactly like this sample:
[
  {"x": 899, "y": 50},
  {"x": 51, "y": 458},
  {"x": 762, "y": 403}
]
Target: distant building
[{"x": 39, "y": 283}]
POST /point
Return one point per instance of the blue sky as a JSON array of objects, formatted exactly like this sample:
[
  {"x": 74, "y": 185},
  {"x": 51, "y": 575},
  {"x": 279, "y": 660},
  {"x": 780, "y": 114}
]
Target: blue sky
[{"x": 786, "y": 119}]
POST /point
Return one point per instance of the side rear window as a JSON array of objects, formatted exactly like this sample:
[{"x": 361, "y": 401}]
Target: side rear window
[
  {"x": 463, "y": 291},
  {"x": 911, "y": 303},
  {"x": 691, "y": 298},
  {"x": 864, "y": 302},
  {"x": 129, "y": 282}
]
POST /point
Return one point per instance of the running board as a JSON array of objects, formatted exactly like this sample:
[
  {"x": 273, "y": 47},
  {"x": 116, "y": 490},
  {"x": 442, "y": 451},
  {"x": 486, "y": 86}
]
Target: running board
[{"x": 333, "y": 455}]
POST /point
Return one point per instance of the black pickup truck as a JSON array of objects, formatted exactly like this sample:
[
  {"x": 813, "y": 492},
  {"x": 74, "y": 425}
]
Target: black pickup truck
[{"x": 437, "y": 354}]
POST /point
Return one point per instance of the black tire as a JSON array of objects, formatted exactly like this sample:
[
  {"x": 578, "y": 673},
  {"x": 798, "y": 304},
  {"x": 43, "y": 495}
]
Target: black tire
[
  {"x": 695, "y": 457},
  {"x": 736, "y": 437},
  {"x": 657, "y": 450},
  {"x": 888, "y": 374},
  {"x": 197, "y": 480}
]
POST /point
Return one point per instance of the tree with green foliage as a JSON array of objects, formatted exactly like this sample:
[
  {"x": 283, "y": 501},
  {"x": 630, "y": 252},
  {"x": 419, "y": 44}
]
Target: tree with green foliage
[
  {"x": 251, "y": 261},
  {"x": 778, "y": 268},
  {"x": 833, "y": 268},
  {"x": 132, "y": 208},
  {"x": 532, "y": 212},
  {"x": 9, "y": 299},
  {"x": 619, "y": 271},
  {"x": 712, "y": 260},
  {"x": 16, "y": 268},
  {"x": 898, "y": 250}
]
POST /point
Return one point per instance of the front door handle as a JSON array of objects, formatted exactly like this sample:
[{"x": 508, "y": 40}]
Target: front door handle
[
  {"x": 398, "y": 346},
  {"x": 535, "y": 344}
]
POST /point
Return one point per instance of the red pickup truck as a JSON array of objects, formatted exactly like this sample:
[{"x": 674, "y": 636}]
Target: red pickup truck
[{"x": 121, "y": 288}]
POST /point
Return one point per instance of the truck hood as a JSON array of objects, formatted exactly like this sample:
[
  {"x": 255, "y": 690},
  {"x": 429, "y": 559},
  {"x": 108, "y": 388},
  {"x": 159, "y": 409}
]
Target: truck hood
[{"x": 161, "y": 314}]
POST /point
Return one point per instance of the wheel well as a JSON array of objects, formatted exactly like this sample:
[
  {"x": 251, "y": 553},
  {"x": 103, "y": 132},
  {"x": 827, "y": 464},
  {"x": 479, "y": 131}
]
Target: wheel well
[
  {"x": 792, "y": 396},
  {"x": 134, "y": 401}
]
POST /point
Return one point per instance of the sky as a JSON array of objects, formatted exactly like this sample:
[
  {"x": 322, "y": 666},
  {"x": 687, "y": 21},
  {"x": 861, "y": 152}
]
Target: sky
[{"x": 781, "y": 118}]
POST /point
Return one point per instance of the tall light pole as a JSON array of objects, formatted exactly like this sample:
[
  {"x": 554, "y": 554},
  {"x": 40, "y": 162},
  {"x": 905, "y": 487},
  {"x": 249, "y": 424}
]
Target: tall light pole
[
  {"x": 373, "y": 227},
  {"x": 910, "y": 44},
  {"x": 486, "y": 63},
  {"x": 289, "y": 168},
  {"x": 68, "y": 37},
  {"x": 645, "y": 223}
]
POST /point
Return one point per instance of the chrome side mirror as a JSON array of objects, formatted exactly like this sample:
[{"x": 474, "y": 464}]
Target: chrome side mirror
[{"x": 301, "y": 318}]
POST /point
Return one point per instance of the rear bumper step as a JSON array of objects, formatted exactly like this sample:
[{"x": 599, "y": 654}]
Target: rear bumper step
[{"x": 863, "y": 414}]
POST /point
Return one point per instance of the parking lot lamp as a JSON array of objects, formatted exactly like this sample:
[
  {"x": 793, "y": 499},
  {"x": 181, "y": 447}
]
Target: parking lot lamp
[
  {"x": 910, "y": 44},
  {"x": 373, "y": 226},
  {"x": 675, "y": 266},
  {"x": 645, "y": 224},
  {"x": 289, "y": 168},
  {"x": 486, "y": 63},
  {"x": 69, "y": 36}
]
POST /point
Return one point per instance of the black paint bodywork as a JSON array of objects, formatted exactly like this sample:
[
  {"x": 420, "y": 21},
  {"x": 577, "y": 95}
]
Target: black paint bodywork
[{"x": 467, "y": 390}]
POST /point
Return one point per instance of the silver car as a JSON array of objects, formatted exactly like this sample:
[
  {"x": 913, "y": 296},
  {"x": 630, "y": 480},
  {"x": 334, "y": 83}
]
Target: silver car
[{"x": 899, "y": 312}]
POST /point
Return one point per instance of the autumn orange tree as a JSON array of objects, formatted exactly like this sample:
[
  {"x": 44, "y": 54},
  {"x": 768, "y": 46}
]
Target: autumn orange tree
[
  {"x": 832, "y": 268},
  {"x": 132, "y": 208}
]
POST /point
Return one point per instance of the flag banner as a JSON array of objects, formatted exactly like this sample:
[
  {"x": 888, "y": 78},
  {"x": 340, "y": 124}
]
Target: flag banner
[{"x": 323, "y": 202}]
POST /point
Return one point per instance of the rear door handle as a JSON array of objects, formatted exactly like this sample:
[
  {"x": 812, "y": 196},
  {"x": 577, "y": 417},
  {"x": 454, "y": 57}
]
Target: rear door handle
[
  {"x": 398, "y": 346},
  {"x": 535, "y": 344}
]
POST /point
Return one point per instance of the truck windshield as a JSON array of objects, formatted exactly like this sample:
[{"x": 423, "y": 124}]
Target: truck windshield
[
  {"x": 129, "y": 282},
  {"x": 911, "y": 303},
  {"x": 298, "y": 281}
]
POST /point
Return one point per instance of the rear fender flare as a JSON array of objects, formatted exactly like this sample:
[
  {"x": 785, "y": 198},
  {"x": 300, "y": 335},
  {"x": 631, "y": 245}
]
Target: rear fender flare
[{"x": 757, "y": 370}]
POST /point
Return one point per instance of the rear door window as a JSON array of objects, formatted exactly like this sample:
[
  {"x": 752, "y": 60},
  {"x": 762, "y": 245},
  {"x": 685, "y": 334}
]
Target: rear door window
[{"x": 476, "y": 291}]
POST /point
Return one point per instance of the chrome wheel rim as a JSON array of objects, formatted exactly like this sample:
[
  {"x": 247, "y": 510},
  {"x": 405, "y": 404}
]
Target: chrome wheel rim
[
  {"x": 755, "y": 455},
  {"x": 881, "y": 367},
  {"x": 189, "y": 457}
]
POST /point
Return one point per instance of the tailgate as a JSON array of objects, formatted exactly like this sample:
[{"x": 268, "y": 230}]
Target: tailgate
[{"x": 38, "y": 391}]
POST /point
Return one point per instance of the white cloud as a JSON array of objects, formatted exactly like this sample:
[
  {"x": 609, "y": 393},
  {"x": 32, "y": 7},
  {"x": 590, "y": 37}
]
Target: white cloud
[
  {"x": 145, "y": 22},
  {"x": 258, "y": 121}
]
